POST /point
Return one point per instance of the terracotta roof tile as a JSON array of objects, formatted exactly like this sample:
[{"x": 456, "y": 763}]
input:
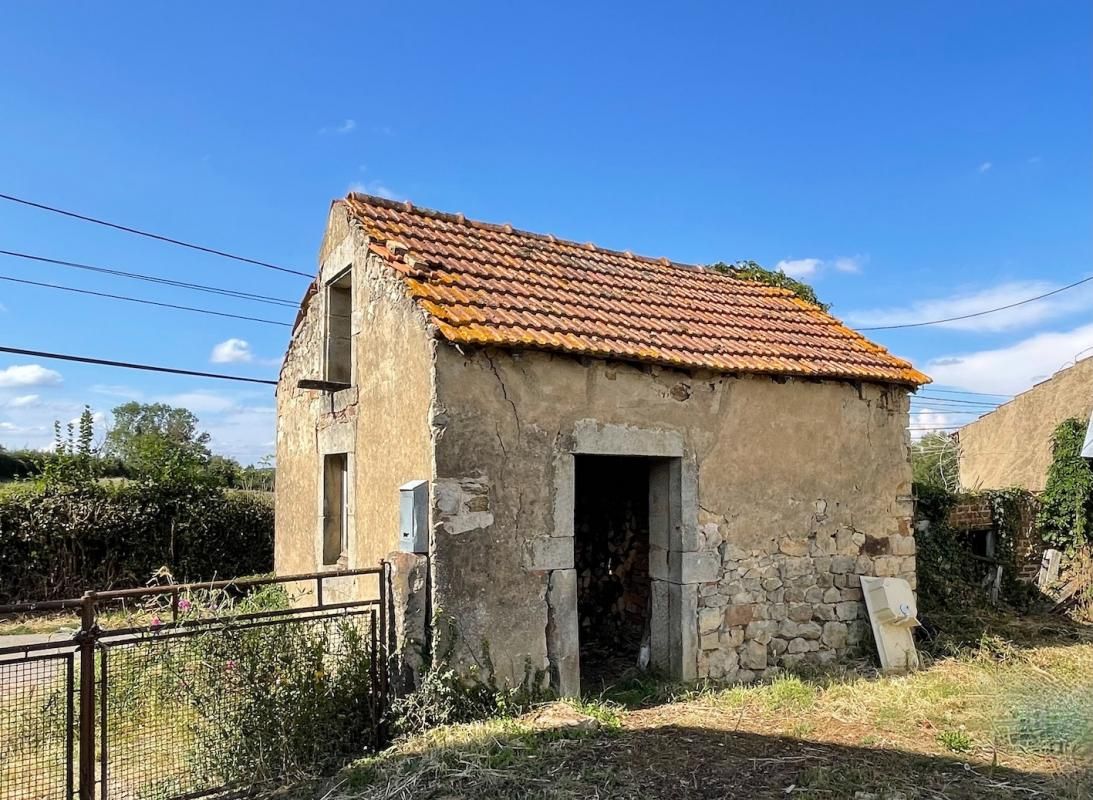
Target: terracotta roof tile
[{"x": 492, "y": 284}]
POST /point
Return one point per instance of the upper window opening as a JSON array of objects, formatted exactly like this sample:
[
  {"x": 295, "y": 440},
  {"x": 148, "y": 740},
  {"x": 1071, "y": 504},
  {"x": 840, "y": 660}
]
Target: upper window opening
[{"x": 339, "y": 329}]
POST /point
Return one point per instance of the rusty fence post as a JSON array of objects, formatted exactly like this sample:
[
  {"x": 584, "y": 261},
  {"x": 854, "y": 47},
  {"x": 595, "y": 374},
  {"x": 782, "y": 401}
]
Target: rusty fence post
[
  {"x": 385, "y": 663},
  {"x": 86, "y": 638}
]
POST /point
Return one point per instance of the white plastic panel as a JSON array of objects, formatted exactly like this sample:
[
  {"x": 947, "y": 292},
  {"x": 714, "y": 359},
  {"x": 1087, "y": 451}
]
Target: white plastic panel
[
  {"x": 894, "y": 616},
  {"x": 414, "y": 517}
]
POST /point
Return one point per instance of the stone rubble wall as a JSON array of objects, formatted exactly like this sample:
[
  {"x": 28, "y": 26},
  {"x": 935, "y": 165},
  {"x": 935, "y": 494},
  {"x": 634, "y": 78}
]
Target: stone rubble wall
[
  {"x": 788, "y": 491},
  {"x": 795, "y": 600}
]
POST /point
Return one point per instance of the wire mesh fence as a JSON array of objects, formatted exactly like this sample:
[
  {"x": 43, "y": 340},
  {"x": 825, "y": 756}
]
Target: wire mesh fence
[
  {"x": 36, "y": 726},
  {"x": 196, "y": 690}
]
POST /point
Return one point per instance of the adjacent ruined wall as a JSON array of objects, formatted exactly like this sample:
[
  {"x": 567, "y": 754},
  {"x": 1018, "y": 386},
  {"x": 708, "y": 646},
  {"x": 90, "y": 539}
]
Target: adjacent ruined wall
[
  {"x": 1011, "y": 446},
  {"x": 382, "y": 421},
  {"x": 791, "y": 490}
]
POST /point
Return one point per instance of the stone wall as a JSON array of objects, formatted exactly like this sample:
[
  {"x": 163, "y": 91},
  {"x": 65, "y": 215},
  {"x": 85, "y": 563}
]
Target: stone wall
[
  {"x": 796, "y": 599},
  {"x": 788, "y": 491},
  {"x": 381, "y": 421},
  {"x": 782, "y": 491},
  {"x": 1011, "y": 446}
]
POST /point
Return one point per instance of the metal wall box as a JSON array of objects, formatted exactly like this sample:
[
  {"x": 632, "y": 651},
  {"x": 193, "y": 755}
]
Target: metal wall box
[{"x": 414, "y": 517}]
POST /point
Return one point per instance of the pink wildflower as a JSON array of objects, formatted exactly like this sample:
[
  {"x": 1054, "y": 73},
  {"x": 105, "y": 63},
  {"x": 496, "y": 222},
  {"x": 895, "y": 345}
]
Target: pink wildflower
[
  {"x": 156, "y": 621},
  {"x": 230, "y": 665},
  {"x": 183, "y": 605}
]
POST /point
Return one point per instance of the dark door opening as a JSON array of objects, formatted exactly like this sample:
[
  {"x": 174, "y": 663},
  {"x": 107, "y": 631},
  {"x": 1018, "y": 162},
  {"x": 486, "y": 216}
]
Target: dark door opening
[{"x": 611, "y": 556}]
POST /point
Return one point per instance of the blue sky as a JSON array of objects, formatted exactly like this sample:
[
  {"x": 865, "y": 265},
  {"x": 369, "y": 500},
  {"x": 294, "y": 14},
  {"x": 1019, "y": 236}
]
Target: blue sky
[{"x": 910, "y": 161}]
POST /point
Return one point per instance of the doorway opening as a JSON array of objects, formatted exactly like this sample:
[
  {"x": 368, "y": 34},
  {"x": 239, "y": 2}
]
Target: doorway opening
[{"x": 611, "y": 557}]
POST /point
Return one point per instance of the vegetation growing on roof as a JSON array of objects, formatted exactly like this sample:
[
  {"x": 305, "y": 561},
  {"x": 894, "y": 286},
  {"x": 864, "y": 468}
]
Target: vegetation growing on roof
[
  {"x": 753, "y": 271},
  {"x": 1066, "y": 511}
]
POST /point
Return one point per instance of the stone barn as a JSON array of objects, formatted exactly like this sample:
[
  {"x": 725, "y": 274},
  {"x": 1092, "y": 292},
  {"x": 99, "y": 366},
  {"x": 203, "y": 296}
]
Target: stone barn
[{"x": 626, "y": 459}]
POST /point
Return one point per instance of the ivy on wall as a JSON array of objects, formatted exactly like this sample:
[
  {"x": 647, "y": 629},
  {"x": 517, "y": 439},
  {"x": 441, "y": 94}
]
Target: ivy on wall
[
  {"x": 1066, "y": 504},
  {"x": 949, "y": 575}
]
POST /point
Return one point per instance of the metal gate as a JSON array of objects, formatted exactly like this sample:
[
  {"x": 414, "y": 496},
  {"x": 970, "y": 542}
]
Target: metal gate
[{"x": 189, "y": 690}]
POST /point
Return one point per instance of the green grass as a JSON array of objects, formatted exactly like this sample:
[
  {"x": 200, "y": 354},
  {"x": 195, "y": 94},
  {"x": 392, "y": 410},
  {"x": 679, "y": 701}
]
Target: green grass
[
  {"x": 956, "y": 741},
  {"x": 998, "y": 718}
]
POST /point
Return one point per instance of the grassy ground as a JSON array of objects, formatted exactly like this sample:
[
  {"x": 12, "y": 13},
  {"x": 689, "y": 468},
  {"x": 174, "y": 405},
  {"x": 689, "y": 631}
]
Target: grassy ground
[{"x": 1010, "y": 716}]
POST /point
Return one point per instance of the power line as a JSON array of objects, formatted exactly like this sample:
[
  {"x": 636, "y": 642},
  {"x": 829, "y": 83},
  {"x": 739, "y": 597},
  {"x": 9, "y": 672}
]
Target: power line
[
  {"x": 924, "y": 398},
  {"x": 130, "y": 365},
  {"x": 261, "y": 298},
  {"x": 158, "y": 237},
  {"x": 977, "y": 394},
  {"x": 977, "y": 313},
  {"x": 953, "y": 412},
  {"x": 144, "y": 302}
]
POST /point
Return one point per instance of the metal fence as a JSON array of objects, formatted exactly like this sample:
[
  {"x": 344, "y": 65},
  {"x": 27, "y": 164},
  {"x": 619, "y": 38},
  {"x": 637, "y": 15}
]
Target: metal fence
[{"x": 188, "y": 690}]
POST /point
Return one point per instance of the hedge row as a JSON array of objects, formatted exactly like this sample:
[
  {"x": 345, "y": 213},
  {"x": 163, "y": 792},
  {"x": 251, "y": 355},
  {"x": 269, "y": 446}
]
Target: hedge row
[{"x": 60, "y": 542}]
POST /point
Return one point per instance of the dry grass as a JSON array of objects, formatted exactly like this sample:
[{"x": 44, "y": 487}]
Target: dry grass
[{"x": 998, "y": 720}]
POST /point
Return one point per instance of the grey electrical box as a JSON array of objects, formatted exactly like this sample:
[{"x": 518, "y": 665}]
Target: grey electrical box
[{"x": 413, "y": 509}]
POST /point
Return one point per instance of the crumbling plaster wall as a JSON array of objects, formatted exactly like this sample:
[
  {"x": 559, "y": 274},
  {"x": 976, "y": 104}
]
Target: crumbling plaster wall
[
  {"x": 1011, "y": 446},
  {"x": 791, "y": 489},
  {"x": 382, "y": 421}
]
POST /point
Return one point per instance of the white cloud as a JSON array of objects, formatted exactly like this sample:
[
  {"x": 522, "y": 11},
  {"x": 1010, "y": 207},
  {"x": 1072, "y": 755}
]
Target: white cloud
[
  {"x": 926, "y": 420},
  {"x": 28, "y": 375},
  {"x": 201, "y": 402},
  {"x": 98, "y": 419},
  {"x": 376, "y": 188},
  {"x": 973, "y": 302},
  {"x": 1009, "y": 370},
  {"x": 850, "y": 263},
  {"x": 232, "y": 351},
  {"x": 986, "y": 166},
  {"x": 242, "y": 423},
  {"x": 246, "y": 433},
  {"x": 22, "y": 400},
  {"x": 117, "y": 390},
  {"x": 812, "y": 267},
  {"x": 345, "y": 126},
  {"x": 799, "y": 267}
]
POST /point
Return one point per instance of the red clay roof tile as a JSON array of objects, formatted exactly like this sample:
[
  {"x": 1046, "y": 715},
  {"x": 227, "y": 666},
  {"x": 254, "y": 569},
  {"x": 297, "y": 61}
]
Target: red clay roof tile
[{"x": 482, "y": 283}]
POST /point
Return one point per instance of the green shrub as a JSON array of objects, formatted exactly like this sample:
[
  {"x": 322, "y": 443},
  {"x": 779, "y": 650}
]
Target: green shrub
[
  {"x": 247, "y": 703},
  {"x": 448, "y": 694},
  {"x": 949, "y": 577},
  {"x": 955, "y": 740},
  {"x": 59, "y": 541}
]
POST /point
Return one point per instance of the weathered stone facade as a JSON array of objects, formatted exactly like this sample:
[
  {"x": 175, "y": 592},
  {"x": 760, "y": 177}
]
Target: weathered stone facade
[
  {"x": 786, "y": 492},
  {"x": 768, "y": 496},
  {"x": 797, "y": 599},
  {"x": 381, "y": 421}
]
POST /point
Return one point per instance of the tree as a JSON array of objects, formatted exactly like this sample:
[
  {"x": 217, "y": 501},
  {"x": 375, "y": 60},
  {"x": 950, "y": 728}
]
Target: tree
[
  {"x": 753, "y": 271},
  {"x": 157, "y": 440},
  {"x": 73, "y": 460},
  {"x": 934, "y": 461}
]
